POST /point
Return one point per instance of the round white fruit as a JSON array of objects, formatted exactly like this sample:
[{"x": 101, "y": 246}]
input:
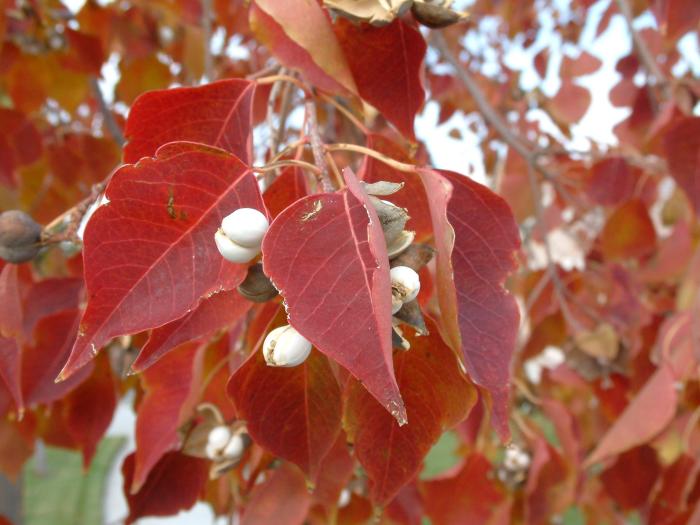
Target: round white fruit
[
  {"x": 246, "y": 227},
  {"x": 405, "y": 283},
  {"x": 284, "y": 346},
  {"x": 232, "y": 251},
  {"x": 235, "y": 447}
]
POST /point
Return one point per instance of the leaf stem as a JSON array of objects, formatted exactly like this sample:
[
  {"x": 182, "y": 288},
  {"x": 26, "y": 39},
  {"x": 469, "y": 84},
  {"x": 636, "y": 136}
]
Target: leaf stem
[
  {"x": 346, "y": 112},
  {"x": 107, "y": 116},
  {"x": 317, "y": 146},
  {"x": 287, "y": 162},
  {"x": 397, "y": 165}
]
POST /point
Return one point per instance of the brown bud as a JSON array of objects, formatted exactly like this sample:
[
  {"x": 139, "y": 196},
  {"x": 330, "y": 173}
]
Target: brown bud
[
  {"x": 257, "y": 286},
  {"x": 434, "y": 15},
  {"x": 415, "y": 256},
  {"x": 19, "y": 237}
]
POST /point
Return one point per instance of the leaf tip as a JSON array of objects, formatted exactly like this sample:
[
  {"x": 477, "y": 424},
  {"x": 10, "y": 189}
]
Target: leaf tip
[{"x": 398, "y": 410}]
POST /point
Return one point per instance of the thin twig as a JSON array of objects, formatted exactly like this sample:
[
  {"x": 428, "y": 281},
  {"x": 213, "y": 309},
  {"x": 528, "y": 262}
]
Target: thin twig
[
  {"x": 492, "y": 117},
  {"x": 287, "y": 162},
  {"x": 551, "y": 270},
  {"x": 397, "y": 165},
  {"x": 107, "y": 116},
  {"x": 206, "y": 30},
  {"x": 347, "y": 113},
  {"x": 284, "y": 78},
  {"x": 317, "y": 146},
  {"x": 69, "y": 221},
  {"x": 645, "y": 56}
]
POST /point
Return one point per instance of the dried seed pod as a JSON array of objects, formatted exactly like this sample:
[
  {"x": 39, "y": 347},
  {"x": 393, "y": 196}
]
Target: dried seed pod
[
  {"x": 414, "y": 256},
  {"x": 257, "y": 286},
  {"x": 434, "y": 15},
  {"x": 411, "y": 315},
  {"x": 19, "y": 237},
  {"x": 392, "y": 218},
  {"x": 382, "y": 187},
  {"x": 400, "y": 244}
]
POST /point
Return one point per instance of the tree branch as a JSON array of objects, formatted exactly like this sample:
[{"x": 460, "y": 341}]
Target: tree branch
[
  {"x": 317, "y": 146},
  {"x": 107, "y": 116},
  {"x": 206, "y": 30},
  {"x": 645, "y": 56}
]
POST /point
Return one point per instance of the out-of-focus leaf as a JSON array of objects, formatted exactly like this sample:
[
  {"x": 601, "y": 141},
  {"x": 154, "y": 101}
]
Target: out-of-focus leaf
[
  {"x": 300, "y": 35},
  {"x": 327, "y": 255},
  {"x": 629, "y": 232},
  {"x": 174, "y": 484},
  {"x": 266, "y": 506},
  {"x": 171, "y": 387},
  {"x": 437, "y": 397},
  {"x": 292, "y": 412},
  {"x": 57, "y": 490},
  {"x": 20, "y": 144},
  {"x": 476, "y": 239},
  {"x": 386, "y": 64},
  {"x": 149, "y": 254},
  {"x": 217, "y": 114},
  {"x": 682, "y": 145}
]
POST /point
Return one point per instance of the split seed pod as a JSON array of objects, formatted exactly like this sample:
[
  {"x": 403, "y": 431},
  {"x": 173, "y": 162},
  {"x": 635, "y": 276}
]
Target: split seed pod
[
  {"x": 19, "y": 237},
  {"x": 286, "y": 347}
]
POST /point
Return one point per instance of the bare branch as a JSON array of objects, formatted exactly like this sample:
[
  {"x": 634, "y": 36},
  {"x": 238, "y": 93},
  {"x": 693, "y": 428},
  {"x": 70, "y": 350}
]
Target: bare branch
[
  {"x": 397, "y": 165},
  {"x": 317, "y": 146},
  {"x": 206, "y": 30},
  {"x": 107, "y": 116},
  {"x": 645, "y": 56}
]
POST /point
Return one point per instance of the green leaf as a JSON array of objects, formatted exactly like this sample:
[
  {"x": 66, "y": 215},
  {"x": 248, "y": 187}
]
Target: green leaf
[{"x": 60, "y": 492}]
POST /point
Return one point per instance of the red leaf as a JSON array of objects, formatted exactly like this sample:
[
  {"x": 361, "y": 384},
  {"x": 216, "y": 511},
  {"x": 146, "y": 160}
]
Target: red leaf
[
  {"x": 217, "y": 114},
  {"x": 10, "y": 333},
  {"x": 335, "y": 472},
  {"x": 628, "y": 233},
  {"x": 437, "y": 397},
  {"x": 49, "y": 297},
  {"x": 546, "y": 473},
  {"x": 611, "y": 181},
  {"x": 149, "y": 254},
  {"x": 173, "y": 485},
  {"x": 211, "y": 314},
  {"x": 292, "y": 412},
  {"x": 675, "y": 17},
  {"x": 476, "y": 238},
  {"x": 584, "y": 64},
  {"x": 266, "y": 506},
  {"x": 326, "y": 255},
  {"x": 654, "y": 406},
  {"x": 630, "y": 479},
  {"x": 299, "y": 34},
  {"x": 412, "y": 196},
  {"x": 570, "y": 103},
  {"x": 170, "y": 394},
  {"x": 20, "y": 143},
  {"x": 386, "y": 63},
  {"x": 289, "y": 187},
  {"x": 10, "y": 369},
  {"x": 682, "y": 144},
  {"x": 470, "y": 497},
  {"x": 43, "y": 360}
]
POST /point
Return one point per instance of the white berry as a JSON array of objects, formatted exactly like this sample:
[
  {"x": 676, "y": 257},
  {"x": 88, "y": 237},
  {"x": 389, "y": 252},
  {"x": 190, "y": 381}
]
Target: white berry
[
  {"x": 405, "y": 283},
  {"x": 284, "y": 346},
  {"x": 217, "y": 439},
  {"x": 235, "y": 447},
  {"x": 232, "y": 251},
  {"x": 344, "y": 498},
  {"x": 246, "y": 227}
]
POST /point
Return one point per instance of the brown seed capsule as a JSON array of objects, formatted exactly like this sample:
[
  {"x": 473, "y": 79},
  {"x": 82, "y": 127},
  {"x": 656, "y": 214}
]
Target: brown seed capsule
[
  {"x": 434, "y": 15},
  {"x": 19, "y": 237},
  {"x": 257, "y": 286}
]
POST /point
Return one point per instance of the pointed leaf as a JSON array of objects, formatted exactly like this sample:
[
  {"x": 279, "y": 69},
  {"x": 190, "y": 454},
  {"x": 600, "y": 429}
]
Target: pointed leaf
[
  {"x": 471, "y": 496},
  {"x": 476, "y": 238},
  {"x": 682, "y": 144},
  {"x": 170, "y": 394},
  {"x": 437, "y": 397},
  {"x": 292, "y": 412},
  {"x": 654, "y": 406},
  {"x": 266, "y": 506},
  {"x": 211, "y": 314},
  {"x": 300, "y": 35},
  {"x": 326, "y": 255},
  {"x": 173, "y": 485},
  {"x": 217, "y": 114},
  {"x": 149, "y": 254},
  {"x": 386, "y": 63},
  {"x": 629, "y": 232}
]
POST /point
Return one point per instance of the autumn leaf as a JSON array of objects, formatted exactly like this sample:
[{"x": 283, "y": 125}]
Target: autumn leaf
[
  {"x": 476, "y": 240},
  {"x": 217, "y": 114},
  {"x": 338, "y": 298},
  {"x": 437, "y": 397},
  {"x": 265, "y": 505},
  {"x": 163, "y": 225},
  {"x": 682, "y": 146}
]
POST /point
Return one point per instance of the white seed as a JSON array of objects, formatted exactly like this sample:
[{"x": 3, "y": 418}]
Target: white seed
[
  {"x": 235, "y": 447},
  {"x": 246, "y": 227},
  {"x": 284, "y": 346},
  {"x": 233, "y": 252},
  {"x": 344, "y": 498},
  {"x": 396, "y": 304},
  {"x": 405, "y": 283},
  {"x": 216, "y": 440}
]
